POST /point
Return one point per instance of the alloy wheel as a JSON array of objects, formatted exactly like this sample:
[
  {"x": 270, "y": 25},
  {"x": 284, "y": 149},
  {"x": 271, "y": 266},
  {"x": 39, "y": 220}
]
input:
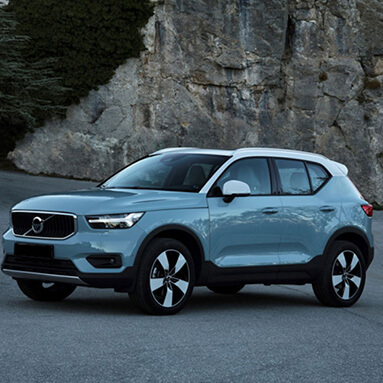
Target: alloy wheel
[
  {"x": 346, "y": 275},
  {"x": 169, "y": 278}
]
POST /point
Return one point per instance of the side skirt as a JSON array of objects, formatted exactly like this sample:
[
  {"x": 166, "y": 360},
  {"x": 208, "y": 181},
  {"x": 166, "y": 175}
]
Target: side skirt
[{"x": 280, "y": 274}]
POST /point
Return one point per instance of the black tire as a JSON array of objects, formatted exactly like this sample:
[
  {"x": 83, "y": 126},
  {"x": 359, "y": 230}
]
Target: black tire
[
  {"x": 347, "y": 292},
  {"x": 225, "y": 289},
  {"x": 39, "y": 291},
  {"x": 156, "y": 301}
]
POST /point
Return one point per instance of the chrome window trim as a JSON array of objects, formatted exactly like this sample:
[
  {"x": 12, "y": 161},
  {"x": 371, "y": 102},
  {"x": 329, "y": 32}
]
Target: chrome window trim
[{"x": 46, "y": 212}]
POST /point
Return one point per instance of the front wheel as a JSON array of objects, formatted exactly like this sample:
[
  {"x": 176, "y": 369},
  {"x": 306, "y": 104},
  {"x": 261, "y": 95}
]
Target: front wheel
[
  {"x": 47, "y": 292},
  {"x": 165, "y": 277},
  {"x": 343, "y": 276}
]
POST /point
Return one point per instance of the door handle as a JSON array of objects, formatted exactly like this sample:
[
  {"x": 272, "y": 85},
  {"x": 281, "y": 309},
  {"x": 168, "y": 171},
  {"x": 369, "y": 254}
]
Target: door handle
[
  {"x": 327, "y": 209},
  {"x": 270, "y": 210}
]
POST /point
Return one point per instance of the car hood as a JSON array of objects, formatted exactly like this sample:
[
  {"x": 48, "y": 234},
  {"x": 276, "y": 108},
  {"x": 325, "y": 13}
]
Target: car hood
[{"x": 113, "y": 201}]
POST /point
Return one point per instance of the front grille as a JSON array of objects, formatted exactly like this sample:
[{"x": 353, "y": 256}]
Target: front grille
[
  {"x": 54, "y": 225},
  {"x": 39, "y": 265}
]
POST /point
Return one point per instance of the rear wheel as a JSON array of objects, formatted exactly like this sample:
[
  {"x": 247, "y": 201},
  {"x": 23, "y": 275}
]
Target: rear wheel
[
  {"x": 343, "y": 277},
  {"x": 165, "y": 278},
  {"x": 48, "y": 292},
  {"x": 225, "y": 289}
]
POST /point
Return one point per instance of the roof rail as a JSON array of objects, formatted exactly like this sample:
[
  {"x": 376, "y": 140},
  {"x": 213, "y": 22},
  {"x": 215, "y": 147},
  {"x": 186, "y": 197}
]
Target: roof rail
[
  {"x": 167, "y": 150},
  {"x": 279, "y": 150}
]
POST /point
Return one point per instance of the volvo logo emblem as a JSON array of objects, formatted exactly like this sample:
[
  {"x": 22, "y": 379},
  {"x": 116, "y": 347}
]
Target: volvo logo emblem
[{"x": 37, "y": 225}]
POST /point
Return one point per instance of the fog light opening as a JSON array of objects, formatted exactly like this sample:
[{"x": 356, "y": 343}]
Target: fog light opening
[{"x": 105, "y": 261}]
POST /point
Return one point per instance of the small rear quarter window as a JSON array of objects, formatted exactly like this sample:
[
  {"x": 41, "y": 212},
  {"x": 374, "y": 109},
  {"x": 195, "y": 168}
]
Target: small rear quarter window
[{"x": 318, "y": 175}]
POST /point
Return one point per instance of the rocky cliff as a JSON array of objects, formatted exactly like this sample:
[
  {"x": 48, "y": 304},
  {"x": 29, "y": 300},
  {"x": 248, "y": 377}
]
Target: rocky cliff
[{"x": 295, "y": 74}]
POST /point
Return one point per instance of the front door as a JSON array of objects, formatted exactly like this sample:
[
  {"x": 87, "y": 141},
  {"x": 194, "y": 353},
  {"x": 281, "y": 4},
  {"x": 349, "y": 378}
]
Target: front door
[{"x": 246, "y": 231}]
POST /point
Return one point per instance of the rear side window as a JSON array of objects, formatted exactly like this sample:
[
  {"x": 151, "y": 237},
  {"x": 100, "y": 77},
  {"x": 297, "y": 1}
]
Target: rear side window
[
  {"x": 318, "y": 175},
  {"x": 293, "y": 176}
]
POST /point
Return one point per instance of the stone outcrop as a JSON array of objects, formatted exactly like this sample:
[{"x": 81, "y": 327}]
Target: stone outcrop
[{"x": 295, "y": 74}]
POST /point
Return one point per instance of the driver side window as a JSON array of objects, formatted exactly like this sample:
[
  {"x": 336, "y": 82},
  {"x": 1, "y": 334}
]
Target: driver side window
[{"x": 253, "y": 171}]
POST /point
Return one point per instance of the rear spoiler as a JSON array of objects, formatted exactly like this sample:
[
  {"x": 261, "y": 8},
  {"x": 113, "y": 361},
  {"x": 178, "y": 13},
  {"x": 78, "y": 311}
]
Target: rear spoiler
[{"x": 342, "y": 168}]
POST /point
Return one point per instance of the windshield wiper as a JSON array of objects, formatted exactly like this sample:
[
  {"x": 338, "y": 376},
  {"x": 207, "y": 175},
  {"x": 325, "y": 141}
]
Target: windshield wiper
[
  {"x": 141, "y": 187},
  {"x": 128, "y": 187},
  {"x": 110, "y": 187}
]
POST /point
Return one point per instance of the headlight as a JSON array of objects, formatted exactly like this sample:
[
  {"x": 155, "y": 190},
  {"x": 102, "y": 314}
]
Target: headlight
[{"x": 114, "y": 221}]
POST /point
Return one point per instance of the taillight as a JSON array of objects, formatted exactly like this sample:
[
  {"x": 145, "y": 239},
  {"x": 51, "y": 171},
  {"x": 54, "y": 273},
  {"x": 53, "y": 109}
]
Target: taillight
[{"x": 368, "y": 209}]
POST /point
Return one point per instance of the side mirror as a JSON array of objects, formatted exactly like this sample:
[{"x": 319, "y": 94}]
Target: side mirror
[{"x": 234, "y": 188}]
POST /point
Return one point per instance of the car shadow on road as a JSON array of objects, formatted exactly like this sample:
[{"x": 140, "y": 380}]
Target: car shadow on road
[
  {"x": 120, "y": 305},
  {"x": 249, "y": 300},
  {"x": 201, "y": 301}
]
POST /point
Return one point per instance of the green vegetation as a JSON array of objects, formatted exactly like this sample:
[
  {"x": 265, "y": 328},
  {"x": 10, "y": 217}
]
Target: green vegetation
[
  {"x": 89, "y": 38},
  {"x": 71, "y": 47},
  {"x": 26, "y": 89}
]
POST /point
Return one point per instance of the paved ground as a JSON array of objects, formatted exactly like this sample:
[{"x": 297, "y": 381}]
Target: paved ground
[{"x": 263, "y": 334}]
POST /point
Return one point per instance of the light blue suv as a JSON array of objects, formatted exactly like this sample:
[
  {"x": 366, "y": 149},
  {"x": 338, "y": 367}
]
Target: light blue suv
[{"x": 188, "y": 217}]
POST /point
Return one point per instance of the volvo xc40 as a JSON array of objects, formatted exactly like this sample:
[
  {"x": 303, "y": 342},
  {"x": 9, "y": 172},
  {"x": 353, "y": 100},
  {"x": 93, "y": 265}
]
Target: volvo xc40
[{"x": 188, "y": 217}]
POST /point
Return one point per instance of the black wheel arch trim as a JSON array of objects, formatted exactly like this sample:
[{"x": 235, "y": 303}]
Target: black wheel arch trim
[
  {"x": 162, "y": 229},
  {"x": 352, "y": 230}
]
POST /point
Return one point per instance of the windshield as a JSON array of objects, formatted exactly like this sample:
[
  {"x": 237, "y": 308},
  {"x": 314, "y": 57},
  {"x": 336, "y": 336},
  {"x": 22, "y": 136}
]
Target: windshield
[{"x": 175, "y": 172}]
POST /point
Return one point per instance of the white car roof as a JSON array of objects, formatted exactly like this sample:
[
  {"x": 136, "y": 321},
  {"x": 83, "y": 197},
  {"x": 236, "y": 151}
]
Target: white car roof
[
  {"x": 335, "y": 168},
  {"x": 196, "y": 151}
]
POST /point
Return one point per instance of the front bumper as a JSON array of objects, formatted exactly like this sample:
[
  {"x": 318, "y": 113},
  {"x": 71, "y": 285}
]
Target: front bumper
[
  {"x": 69, "y": 263},
  {"x": 52, "y": 270}
]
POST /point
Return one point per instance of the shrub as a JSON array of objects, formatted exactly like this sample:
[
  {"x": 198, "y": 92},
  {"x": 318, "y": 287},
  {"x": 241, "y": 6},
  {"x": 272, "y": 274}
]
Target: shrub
[
  {"x": 89, "y": 38},
  {"x": 57, "y": 52},
  {"x": 25, "y": 90}
]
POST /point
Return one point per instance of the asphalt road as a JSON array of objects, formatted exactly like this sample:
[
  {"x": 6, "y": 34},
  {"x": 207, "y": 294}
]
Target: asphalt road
[{"x": 262, "y": 334}]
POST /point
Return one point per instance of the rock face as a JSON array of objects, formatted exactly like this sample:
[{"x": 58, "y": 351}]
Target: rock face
[{"x": 294, "y": 74}]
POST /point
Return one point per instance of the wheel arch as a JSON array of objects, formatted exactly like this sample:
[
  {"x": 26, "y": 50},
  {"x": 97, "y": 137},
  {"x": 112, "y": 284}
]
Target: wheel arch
[
  {"x": 180, "y": 233},
  {"x": 353, "y": 235}
]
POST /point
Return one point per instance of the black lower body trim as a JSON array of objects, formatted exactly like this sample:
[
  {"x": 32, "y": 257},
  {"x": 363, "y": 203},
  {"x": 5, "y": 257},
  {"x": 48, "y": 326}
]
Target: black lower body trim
[
  {"x": 279, "y": 274},
  {"x": 370, "y": 256},
  {"x": 39, "y": 264},
  {"x": 301, "y": 273},
  {"x": 123, "y": 281}
]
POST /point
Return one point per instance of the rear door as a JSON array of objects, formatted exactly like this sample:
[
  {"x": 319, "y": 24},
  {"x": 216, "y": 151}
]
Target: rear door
[{"x": 310, "y": 209}]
